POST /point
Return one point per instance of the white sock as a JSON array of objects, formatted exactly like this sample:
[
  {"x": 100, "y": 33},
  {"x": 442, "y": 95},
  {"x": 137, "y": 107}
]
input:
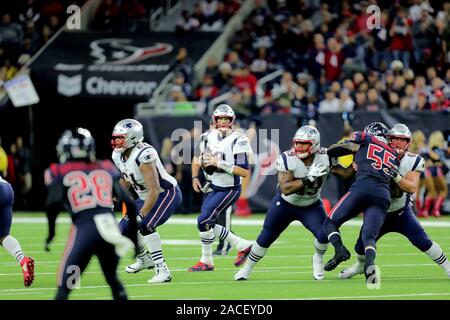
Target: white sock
[
  {"x": 256, "y": 254},
  {"x": 235, "y": 241},
  {"x": 153, "y": 243},
  {"x": 437, "y": 255},
  {"x": 13, "y": 247},
  {"x": 141, "y": 249},
  {"x": 361, "y": 259},
  {"x": 321, "y": 248},
  {"x": 207, "y": 238}
]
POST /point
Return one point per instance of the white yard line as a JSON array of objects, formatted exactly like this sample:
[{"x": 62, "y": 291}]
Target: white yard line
[{"x": 426, "y": 294}]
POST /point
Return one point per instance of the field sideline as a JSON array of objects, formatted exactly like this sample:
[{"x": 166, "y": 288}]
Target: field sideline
[{"x": 284, "y": 273}]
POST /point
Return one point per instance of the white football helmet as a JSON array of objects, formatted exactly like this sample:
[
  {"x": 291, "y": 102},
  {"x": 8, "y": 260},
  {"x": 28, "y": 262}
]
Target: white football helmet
[
  {"x": 223, "y": 111},
  {"x": 400, "y": 130},
  {"x": 306, "y": 134},
  {"x": 131, "y": 131}
]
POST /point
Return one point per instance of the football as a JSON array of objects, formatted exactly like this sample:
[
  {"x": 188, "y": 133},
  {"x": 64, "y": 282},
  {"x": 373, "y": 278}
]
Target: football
[{"x": 208, "y": 169}]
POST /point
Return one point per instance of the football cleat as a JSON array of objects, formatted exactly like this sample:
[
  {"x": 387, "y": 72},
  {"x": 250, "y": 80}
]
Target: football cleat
[
  {"x": 162, "y": 275},
  {"x": 27, "y": 265},
  {"x": 373, "y": 277},
  {"x": 200, "y": 266},
  {"x": 318, "y": 271},
  {"x": 243, "y": 274},
  {"x": 242, "y": 256},
  {"x": 347, "y": 273},
  {"x": 143, "y": 262},
  {"x": 342, "y": 254}
]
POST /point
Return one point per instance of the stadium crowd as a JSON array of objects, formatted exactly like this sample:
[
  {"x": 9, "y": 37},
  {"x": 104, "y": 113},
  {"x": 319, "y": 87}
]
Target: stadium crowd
[{"x": 332, "y": 61}]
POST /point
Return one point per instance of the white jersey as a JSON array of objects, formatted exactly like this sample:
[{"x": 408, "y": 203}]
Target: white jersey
[
  {"x": 3, "y": 180},
  {"x": 142, "y": 153},
  {"x": 288, "y": 161},
  {"x": 226, "y": 149},
  {"x": 409, "y": 162}
]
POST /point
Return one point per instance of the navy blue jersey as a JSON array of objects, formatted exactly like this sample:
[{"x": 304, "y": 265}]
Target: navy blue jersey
[
  {"x": 84, "y": 188},
  {"x": 373, "y": 157}
]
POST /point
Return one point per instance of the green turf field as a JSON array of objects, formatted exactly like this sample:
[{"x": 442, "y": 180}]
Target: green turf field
[{"x": 284, "y": 273}]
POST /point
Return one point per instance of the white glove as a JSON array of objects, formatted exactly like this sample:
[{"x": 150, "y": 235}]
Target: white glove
[{"x": 316, "y": 171}]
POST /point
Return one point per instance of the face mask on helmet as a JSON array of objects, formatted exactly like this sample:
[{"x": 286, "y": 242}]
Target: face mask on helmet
[
  {"x": 126, "y": 134},
  {"x": 76, "y": 144},
  {"x": 400, "y": 138},
  {"x": 378, "y": 130},
  {"x": 306, "y": 141},
  {"x": 220, "y": 116}
]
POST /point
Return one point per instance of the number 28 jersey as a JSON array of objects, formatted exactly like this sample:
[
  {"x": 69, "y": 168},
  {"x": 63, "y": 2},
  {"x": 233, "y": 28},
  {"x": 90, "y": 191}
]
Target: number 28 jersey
[
  {"x": 142, "y": 153},
  {"x": 83, "y": 188},
  {"x": 288, "y": 161}
]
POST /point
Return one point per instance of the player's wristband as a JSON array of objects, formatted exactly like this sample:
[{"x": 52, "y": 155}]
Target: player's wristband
[
  {"x": 225, "y": 166},
  {"x": 398, "y": 178}
]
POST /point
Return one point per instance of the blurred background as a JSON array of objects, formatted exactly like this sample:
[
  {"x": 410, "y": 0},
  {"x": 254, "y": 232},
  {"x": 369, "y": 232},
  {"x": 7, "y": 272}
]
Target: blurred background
[{"x": 337, "y": 65}]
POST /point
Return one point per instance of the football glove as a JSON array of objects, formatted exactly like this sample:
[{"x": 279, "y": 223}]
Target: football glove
[{"x": 393, "y": 173}]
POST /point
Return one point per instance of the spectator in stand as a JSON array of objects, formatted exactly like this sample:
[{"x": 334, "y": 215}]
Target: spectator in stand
[
  {"x": 106, "y": 16},
  {"x": 207, "y": 90},
  {"x": 441, "y": 103},
  {"x": 52, "y": 8},
  {"x": 11, "y": 32},
  {"x": 245, "y": 79},
  {"x": 242, "y": 103},
  {"x": 422, "y": 102},
  {"x": 260, "y": 65},
  {"x": 333, "y": 60},
  {"x": 130, "y": 12},
  {"x": 380, "y": 44},
  {"x": 330, "y": 103},
  {"x": 186, "y": 23},
  {"x": 393, "y": 100},
  {"x": 183, "y": 63},
  {"x": 360, "y": 100},
  {"x": 224, "y": 80},
  {"x": 210, "y": 12},
  {"x": 400, "y": 33},
  {"x": 346, "y": 102},
  {"x": 374, "y": 102},
  {"x": 179, "y": 80},
  {"x": 424, "y": 33},
  {"x": 211, "y": 66},
  {"x": 304, "y": 80}
]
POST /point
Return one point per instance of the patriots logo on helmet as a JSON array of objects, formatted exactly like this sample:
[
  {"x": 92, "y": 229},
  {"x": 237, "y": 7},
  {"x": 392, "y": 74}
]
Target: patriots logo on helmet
[{"x": 128, "y": 125}]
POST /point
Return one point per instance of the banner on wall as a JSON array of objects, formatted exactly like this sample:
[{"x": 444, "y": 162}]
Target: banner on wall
[{"x": 89, "y": 64}]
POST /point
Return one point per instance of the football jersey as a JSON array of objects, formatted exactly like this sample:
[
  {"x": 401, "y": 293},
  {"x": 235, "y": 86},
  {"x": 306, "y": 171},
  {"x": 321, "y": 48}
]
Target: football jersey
[
  {"x": 82, "y": 187},
  {"x": 142, "y": 153},
  {"x": 288, "y": 161},
  {"x": 373, "y": 157},
  {"x": 409, "y": 162},
  {"x": 228, "y": 149}
]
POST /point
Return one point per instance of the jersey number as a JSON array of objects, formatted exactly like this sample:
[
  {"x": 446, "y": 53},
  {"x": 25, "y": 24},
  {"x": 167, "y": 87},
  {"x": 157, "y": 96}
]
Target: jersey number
[
  {"x": 376, "y": 154},
  {"x": 312, "y": 189},
  {"x": 132, "y": 180},
  {"x": 88, "y": 191}
]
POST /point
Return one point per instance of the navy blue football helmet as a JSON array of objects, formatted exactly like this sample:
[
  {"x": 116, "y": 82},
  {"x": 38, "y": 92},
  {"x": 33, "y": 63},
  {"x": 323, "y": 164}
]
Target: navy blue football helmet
[
  {"x": 77, "y": 144},
  {"x": 378, "y": 130}
]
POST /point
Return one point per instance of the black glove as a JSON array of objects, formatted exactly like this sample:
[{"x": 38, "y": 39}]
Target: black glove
[{"x": 393, "y": 173}]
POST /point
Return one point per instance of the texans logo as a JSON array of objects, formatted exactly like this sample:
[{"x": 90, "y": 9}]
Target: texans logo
[{"x": 121, "y": 51}]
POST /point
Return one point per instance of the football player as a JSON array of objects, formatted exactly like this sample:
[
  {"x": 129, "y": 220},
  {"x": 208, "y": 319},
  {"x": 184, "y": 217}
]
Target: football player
[
  {"x": 6, "y": 240},
  {"x": 302, "y": 172},
  {"x": 400, "y": 217},
  {"x": 369, "y": 193},
  {"x": 226, "y": 161},
  {"x": 86, "y": 187},
  {"x": 158, "y": 192},
  {"x": 223, "y": 219}
]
